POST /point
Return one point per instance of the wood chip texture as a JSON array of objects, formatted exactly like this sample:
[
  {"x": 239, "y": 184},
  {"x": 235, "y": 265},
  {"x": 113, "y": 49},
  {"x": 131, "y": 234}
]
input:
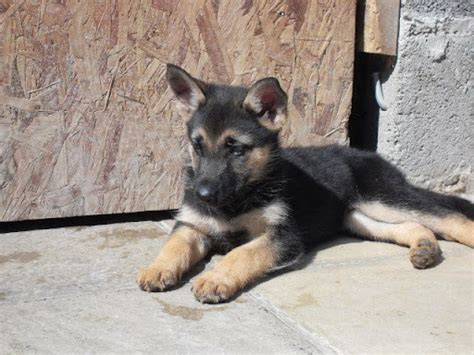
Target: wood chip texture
[
  {"x": 378, "y": 26},
  {"x": 87, "y": 122}
]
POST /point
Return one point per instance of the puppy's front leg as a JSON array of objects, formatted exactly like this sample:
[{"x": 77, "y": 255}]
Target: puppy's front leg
[
  {"x": 237, "y": 269},
  {"x": 185, "y": 248}
]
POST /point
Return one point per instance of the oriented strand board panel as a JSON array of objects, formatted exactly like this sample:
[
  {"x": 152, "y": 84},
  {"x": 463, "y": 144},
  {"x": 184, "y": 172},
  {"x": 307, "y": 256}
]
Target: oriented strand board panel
[
  {"x": 87, "y": 124},
  {"x": 379, "y": 26}
]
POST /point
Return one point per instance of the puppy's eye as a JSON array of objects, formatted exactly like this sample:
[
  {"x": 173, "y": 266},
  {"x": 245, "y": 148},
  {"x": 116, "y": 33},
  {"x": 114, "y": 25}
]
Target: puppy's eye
[
  {"x": 229, "y": 142},
  {"x": 197, "y": 146},
  {"x": 235, "y": 147}
]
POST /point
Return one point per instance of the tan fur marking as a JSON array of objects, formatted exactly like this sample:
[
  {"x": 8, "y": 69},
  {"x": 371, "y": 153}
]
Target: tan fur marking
[
  {"x": 424, "y": 248},
  {"x": 257, "y": 161},
  {"x": 186, "y": 110},
  {"x": 406, "y": 234},
  {"x": 231, "y": 133},
  {"x": 254, "y": 222},
  {"x": 199, "y": 132},
  {"x": 216, "y": 144},
  {"x": 252, "y": 103},
  {"x": 183, "y": 110},
  {"x": 205, "y": 224},
  {"x": 452, "y": 227},
  {"x": 185, "y": 247},
  {"x": 384, "y": 213},
  {"x": 228, "y": 133},
  {"x": 236, "y": 270},
  {"x": 275, "y": 124}
]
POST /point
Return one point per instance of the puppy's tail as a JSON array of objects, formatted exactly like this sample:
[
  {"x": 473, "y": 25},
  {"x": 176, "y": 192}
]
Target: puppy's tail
[{"x": 452, "y": 203}]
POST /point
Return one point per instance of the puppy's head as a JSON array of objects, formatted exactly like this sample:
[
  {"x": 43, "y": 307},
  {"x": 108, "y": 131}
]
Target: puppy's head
[{"x": 233, "y": 132}]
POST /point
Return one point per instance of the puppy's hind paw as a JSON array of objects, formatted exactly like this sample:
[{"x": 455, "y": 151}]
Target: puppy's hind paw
[{"x": 425, "y": 254}]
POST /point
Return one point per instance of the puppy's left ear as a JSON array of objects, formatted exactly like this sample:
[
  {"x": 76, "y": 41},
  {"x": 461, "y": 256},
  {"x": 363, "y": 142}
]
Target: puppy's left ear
[
  {"x": 190, "y": 92},
  {"x": 267, "y": 99}
]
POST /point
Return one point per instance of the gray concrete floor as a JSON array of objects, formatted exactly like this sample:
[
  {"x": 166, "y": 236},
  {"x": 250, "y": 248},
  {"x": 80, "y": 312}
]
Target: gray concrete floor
[{"x": 73, "y": 290}]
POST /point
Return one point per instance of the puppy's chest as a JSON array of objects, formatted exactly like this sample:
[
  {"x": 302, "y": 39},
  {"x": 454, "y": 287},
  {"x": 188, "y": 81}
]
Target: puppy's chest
[{"x": 253, "y": 223}]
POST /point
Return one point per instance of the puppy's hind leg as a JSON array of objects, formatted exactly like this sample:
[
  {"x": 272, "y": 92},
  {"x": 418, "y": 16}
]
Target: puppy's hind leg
[
  {"x": 424, "y": 248},
  {"x": 448, "y": 224},
  {"x": 453, "y": 226}
]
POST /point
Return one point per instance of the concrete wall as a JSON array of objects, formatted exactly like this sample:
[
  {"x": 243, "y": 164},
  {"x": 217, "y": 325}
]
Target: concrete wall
[{"x": 428, "y": 130}]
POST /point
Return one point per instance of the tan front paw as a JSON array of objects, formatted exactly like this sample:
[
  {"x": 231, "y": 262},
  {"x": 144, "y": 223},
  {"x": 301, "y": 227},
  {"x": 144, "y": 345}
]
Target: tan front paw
[
  {"x": 153, "y": 279},
  {"x": 212, "y": 287}
]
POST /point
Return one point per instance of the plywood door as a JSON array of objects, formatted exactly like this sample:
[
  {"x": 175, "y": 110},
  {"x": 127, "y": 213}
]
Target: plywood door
[{"x": 87, "y": 124}]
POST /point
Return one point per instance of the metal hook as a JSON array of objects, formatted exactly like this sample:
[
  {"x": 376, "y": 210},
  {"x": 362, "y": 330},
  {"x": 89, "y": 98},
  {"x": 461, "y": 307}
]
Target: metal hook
[{"x": 378, "y": 91}]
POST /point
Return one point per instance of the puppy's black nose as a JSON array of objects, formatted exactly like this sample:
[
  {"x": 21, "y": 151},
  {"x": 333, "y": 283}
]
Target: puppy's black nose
[{"x": 206, "y": 192}]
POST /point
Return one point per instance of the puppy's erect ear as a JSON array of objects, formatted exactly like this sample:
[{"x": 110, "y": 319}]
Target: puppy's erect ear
[
  {"x": 267, "y": 99},
  {"x": 190, "y": 92}
]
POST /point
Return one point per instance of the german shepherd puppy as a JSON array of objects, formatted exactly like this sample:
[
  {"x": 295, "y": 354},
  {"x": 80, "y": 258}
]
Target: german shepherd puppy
[{"x": 264, "y": 206}]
